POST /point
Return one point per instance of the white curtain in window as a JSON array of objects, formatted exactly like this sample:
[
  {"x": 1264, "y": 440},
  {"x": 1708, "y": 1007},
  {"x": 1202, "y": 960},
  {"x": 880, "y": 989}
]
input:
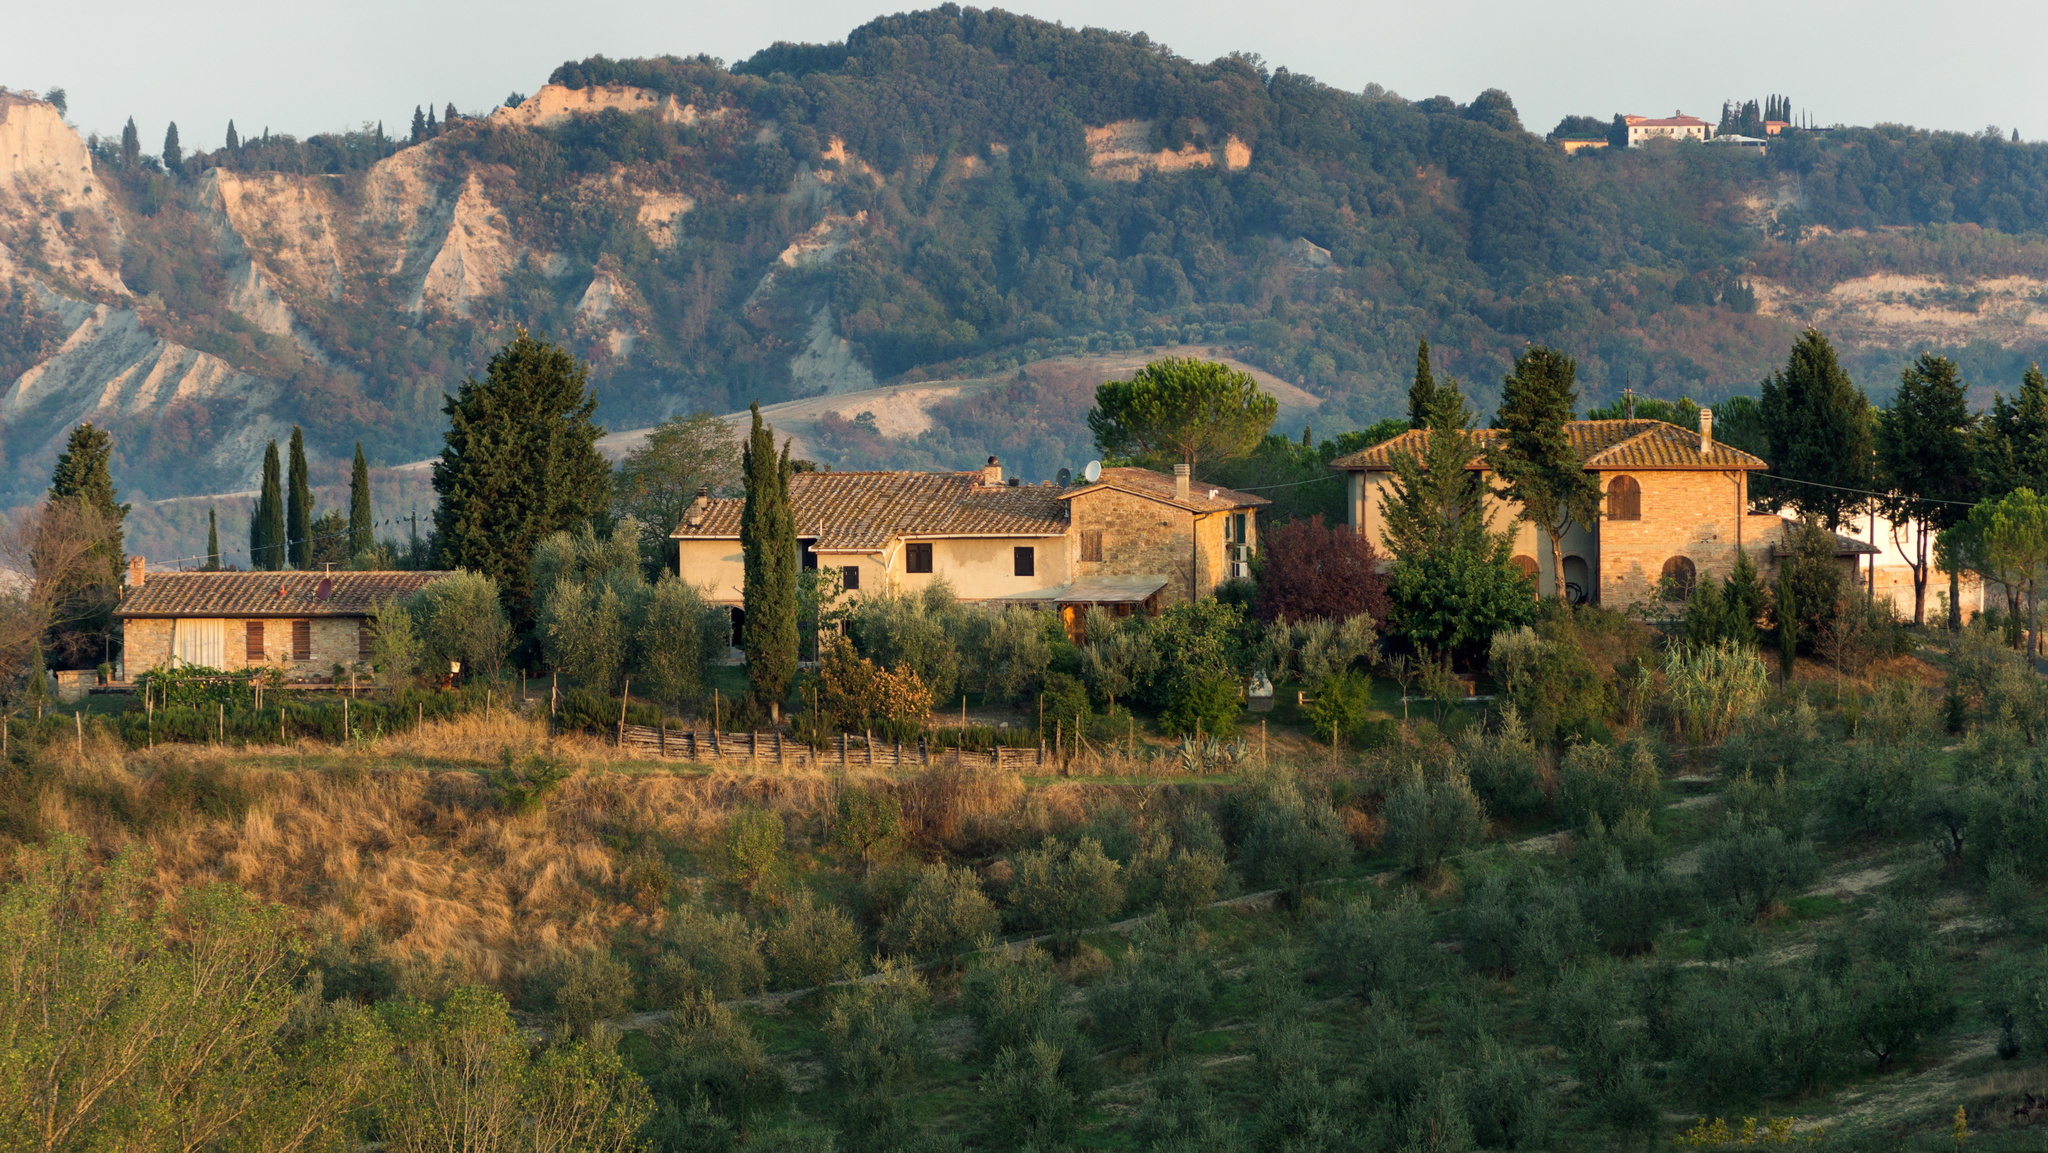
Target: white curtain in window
[{"x": 198, "y": 641}]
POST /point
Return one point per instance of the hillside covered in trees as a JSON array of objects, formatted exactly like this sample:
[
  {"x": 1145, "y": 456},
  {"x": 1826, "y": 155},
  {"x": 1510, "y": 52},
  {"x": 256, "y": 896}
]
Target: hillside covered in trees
[{"x": 961, "y": 193}]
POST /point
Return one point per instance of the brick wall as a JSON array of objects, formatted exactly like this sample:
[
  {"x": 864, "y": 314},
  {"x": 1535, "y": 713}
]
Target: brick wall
[
  {"x": 1693, "y": 514},
  {"x": 147, "y": 644}
]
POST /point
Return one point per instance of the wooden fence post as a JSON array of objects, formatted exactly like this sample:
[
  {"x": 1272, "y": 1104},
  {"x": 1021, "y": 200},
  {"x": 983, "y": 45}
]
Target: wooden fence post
[
  {"x": 868, "y": 737},
  {"x": 754, "y": 747},
  {"x": 78, "y": 722},
  {"x": 625, "y": 696}
]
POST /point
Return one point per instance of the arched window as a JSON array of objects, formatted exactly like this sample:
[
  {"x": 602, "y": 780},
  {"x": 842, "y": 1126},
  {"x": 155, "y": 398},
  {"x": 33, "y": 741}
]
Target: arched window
[
  {"x": 1624, "y": 499},
  {"x": 1526, "y": 565},
  {"x": 1678, "y": 578}
]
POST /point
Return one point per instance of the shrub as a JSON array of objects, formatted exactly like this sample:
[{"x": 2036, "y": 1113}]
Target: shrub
[
  {"x": 870, "y": 823},
  {"x": 1013, "y": 999},
  {"x": 1711, "y": 688},
  {"x": 1293, "y": 840},
  {"x": 1159, "y": 997},
  {"x": 1066, "y": 700},
  {"x": 710, "y": 1056},
  {"x": 913, "y": 632},
  {"x": 1630, "y": 908},
  {"x": 944, "y": 912},
  {"x": 716, "y": 953},
  {"x": 1188, "y": 882},
  {"x": 1502, "y": 766},
  {"x": 1898, "y": 989},
  {"x": 461, "y": 618},
  {"x": 1522, "y": 922},
  {"x": 876, "y": 1043},
  {"x": 1309, "y": 572},
  {"x": 1320, "y": 649},
  {"x": 1340, "y": 705},
  {"x": 813, "y": 944},
  {"x": 1119, "y": 659},
  {"x": 1382, "y": 951},
  {"x": 751, "y": 852},
  {"x": 1427, "y": 821},
  {"x": 858, "y": 695},
  {"x": 523, "y": 788},
  {"x": 1066, "y": 889},
  {"x": 1596, "y": 780},
  {"x": 1207, "y": 704},
  {"x": 1026, "y": 1099},
  {"x": 1558, "y": 691},
  {"x": 1507, "y": 1101},
  {"x": 1870, "y": 792},
  {"x": 1008, "y": 651},
  {"x": 681, "y": 636},
  {"x": 575, "y": 989},
  {"x": 1749, "y": 867}
]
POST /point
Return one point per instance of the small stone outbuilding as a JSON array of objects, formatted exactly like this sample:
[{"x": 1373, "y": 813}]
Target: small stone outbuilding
[{"x": 301, "y": 623}]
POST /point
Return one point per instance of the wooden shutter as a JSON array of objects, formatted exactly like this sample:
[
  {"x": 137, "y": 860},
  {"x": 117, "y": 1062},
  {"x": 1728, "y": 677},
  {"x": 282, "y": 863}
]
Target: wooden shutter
[
  {"x": 366, "y": 641},
  {"x": 1624, "y": 499},
  {"x": 252, "y": 643},
  {"x": 1091, "y": 544},
  {"x": 1026, "y": 560},
  {"x": 302, "y": 640}
]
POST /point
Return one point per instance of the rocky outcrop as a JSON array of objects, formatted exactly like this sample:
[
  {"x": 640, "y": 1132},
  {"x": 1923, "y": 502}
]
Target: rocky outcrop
[
  {"x": 555, "y": 104},
  {"x": 1120, "y": 150}
]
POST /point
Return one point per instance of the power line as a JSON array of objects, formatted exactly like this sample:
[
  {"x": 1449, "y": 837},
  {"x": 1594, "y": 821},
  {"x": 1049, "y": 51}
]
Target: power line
[
  {"x": 1867, "y": 492},
  {"x": 1290, "y": 484}
]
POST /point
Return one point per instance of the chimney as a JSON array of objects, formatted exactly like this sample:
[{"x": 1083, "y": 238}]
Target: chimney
[
  {"x": 698, "y": 506},
  {"x": 138, "y": 570},
  {"x": 1180, "y": 482},
  {"x": 1706, "y": 430},
  {"x": 992, "y": 473}
]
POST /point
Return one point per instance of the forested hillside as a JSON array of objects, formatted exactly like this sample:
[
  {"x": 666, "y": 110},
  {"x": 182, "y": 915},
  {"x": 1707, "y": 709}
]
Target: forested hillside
[{"x": 959, "y": 193}]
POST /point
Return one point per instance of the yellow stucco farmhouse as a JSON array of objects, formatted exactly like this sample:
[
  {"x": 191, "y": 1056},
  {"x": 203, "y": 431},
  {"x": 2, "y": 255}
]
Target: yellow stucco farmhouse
[
  {"x": 1674, "y": 506},
  {"x": 1131, "y": 541}
]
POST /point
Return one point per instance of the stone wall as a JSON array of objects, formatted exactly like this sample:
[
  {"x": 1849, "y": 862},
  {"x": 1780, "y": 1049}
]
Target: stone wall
[
  {"x": 1143, "y": 537},
  {"x": 1692, "y": 514},
  {"x": 148, "y": 644}
]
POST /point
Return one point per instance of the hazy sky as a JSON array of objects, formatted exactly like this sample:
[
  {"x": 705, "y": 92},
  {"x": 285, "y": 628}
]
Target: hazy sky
[{"x": 303, "y": 68}]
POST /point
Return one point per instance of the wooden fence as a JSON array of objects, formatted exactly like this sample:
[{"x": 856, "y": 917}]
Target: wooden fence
[{"x": 844, "y": 751}]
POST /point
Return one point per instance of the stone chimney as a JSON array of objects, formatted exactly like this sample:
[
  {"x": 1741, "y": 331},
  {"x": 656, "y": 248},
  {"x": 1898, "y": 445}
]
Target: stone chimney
[
  {"x": 992, "y": 473},
  {"x": 699, "y": 506},
  {"x": 138, "y": 571},
  {"x": 1706, "y": 430},
  {"x": 1180, "y": 482}
]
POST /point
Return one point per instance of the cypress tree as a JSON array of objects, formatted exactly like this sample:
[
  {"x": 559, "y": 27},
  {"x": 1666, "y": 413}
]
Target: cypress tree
[
  {"x": 212, "y": 541},
  {"x": 298, "y": 520},
  {"x": 433, "y": 129},
  {"x": 768, "y": 546},
  {"x": 419, "y": 125},
  {"x": 266, "y": 523},
  {"x": 131, "y": 145},
  {"x": 1421, "y": 394},
  {"x": 361, "y": 529},
  {"x": 84, "y": 474},
  {"x": 449, "y": 115},
  {"x": 234, "y": 141},
  {"x": 1534, "y": 454},
  {"x": 520, "y": 462},
  {"x": 1818, "y": 424},
  {"x": 174, "y": 153}
]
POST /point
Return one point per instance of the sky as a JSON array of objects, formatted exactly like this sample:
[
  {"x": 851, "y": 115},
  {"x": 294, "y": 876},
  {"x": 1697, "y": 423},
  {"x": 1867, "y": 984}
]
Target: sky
[{"x": 304, "y": 68}]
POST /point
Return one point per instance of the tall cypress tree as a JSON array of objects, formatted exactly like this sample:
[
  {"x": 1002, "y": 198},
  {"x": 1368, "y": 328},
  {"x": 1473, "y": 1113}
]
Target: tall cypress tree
[
  {"x": 520, "y": 462},
  {"x": 84, "y": 473},
  {"x": 298, "y": 518},
  {"x": 361, "y": 529},
  {"x": 1923, "y": 447},
  {"x": 1534, "y": 454},
  {"x": 212, "y": 541},
  {"x": 768, "y": 549},
  {"x": 419, "y": 124},
  {"x": 1421, "y": 394},
  {"x": 234, "y": 141},
  {"x": 1818, "y": 423},
  {"x": 174, "y": 153},
  {"x": 131, "y": 145},
  {"x": 266, "y": 523}
]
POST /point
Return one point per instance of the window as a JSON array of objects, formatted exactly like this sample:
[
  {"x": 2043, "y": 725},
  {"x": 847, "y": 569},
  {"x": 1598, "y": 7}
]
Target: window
[
  {"x": 810, "y": 558},
  {"x": 1678, "y": 579},
  {"x": 199, "y": 641},
  {"x": 302, "y": 640},
  {"x": 917, "y": 558},
  {"x": 849, "y": 577},
  {"x": 1091, "y": 544},
  {"x": 1027, "y": 560},
  {"x": 366, "y": 641},
  {"x": 1234, "y": 528},
  {"x": 1624, "y": 499},
  {"x": 252, "y": 642},
  {"x": 1526, "y": 565}
]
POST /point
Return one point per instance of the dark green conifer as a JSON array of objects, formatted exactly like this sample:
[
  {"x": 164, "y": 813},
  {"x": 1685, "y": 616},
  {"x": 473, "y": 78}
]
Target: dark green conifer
[
  {"x": 131, "y": 145},
  {"x": 1818, "y": 423},
  {"x": 174, "y": 153},
  {"x": 298, "y": 519},
  {"x": 266, "y": 523},
  {"x": 419, "y": 124},
  {"x": 1534, "y": 454},
  {"x": 234, "y": 141},
  {"x": 212, "y": 541},
  {"x": 520, "y": 462},
  {"x": 361, "y": 528},
  {"x": 84, "y": 473},
  {"x": 768, "y": 546},
  {"x": 1422, "y": 393}
]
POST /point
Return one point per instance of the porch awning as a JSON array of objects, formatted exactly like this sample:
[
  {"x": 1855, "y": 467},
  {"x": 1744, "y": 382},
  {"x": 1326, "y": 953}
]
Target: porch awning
[{"x": 1107, "y": 590}]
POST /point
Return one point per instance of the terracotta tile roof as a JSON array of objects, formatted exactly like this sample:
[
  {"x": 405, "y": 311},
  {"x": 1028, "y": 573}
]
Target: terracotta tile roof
[
  {"x": 267, "y": 594},
  {"x": 1159, "y": 486},
  {"x": 1603, "y": 444},
  {"x": 866, "y": 510}
]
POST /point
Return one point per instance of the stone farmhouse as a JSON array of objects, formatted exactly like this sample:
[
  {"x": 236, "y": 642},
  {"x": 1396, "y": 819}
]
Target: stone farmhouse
[
  {"x": 1674, "y": 509},
  {"x": 1133, "y": 541},
  {"x": 300, "y": 623},
  {"x": 1677, "y": 126}
]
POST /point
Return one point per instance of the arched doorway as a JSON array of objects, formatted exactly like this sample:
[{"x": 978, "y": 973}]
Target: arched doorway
[
  {"x": 1578, "y": 580},
  {"x": 1677, "y": 579},
  {"x": 1526, "y": 565}
]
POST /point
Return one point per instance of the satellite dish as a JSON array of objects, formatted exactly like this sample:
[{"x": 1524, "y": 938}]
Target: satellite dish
[
  {"x": 1066, "y": 477},
  {"x": 1093, "y": 472}
]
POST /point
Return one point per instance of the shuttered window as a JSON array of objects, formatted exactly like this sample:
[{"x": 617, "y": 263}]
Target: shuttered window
[
  {"x": 849, "y": 578},
  {"x": 252, "y": 642},
  {"x": 1027, "y": 560},
  {"x": 366, "y": 642},
  {"x": 917, "y": 558},
  {"x": 1624, "y": 499},
  {"x": 1091, "y": 544},
  {"x": 302, "y": 640}
]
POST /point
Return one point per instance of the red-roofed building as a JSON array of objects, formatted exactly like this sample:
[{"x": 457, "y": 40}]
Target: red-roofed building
[
  {"x": 300, "y": 623},
  {"x": 1674, "y": 506},
  {"x": 1677, "y": 126}
]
